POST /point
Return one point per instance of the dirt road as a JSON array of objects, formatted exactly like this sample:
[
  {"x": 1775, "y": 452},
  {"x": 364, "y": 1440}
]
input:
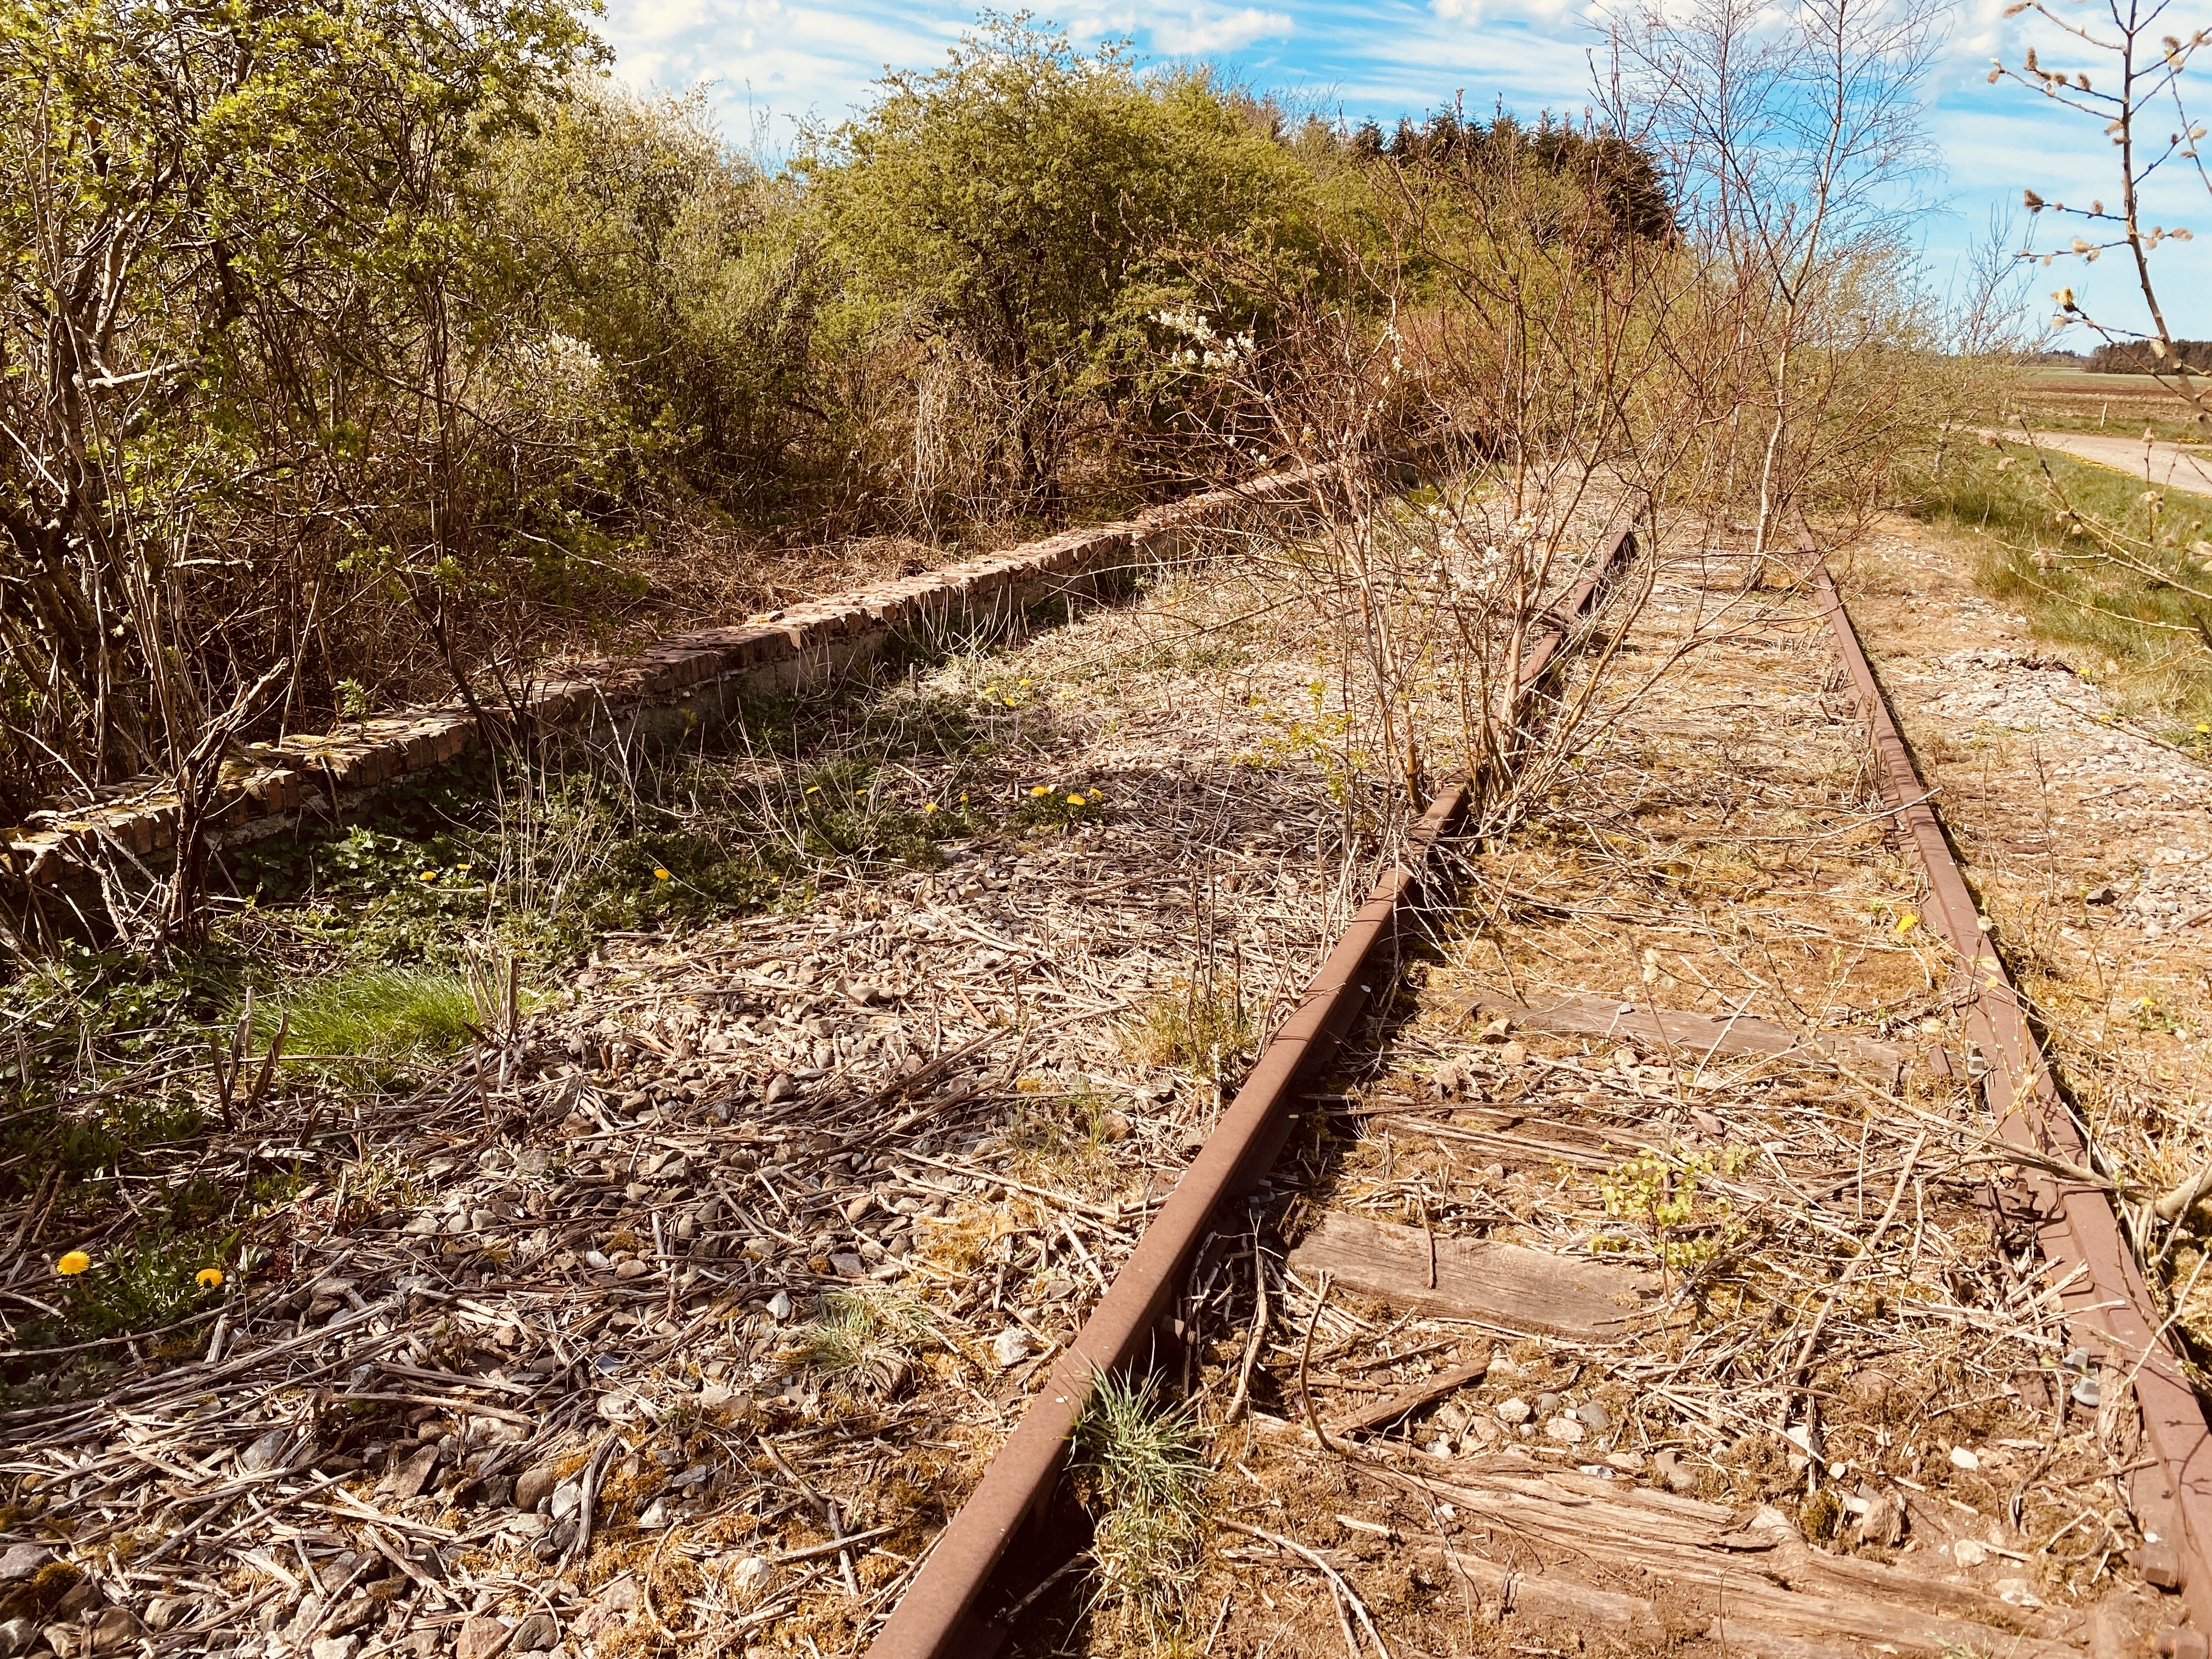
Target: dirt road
[{"x": 2177, "y": 466}]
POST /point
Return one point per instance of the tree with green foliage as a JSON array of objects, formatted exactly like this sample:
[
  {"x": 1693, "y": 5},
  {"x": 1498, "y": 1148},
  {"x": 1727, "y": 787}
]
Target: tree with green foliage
[
  {"x": 692, "y": 275},
  {"x": 248, "y": 333},
  {"x": 1023, "y": 209}
]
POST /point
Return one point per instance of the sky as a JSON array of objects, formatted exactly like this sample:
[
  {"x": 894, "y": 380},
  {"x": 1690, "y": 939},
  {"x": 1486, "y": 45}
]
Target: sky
[{"x": 771, "y": 65}]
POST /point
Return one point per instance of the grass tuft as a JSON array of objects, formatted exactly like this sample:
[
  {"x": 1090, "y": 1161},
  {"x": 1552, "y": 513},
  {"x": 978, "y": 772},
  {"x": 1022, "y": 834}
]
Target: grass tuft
[
  {"x": 380, "y": 1013},
  {"x": 1197, "y": 1025},
  {"x": 865, "y": 1339},
  {"x": 1138, "y": 1465}
]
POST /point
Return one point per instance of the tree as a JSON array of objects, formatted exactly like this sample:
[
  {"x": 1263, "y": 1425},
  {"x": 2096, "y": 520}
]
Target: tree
[
  {"x": 1007, "y": 207},
  {"x": 2141, "y": 98},
  {"x": 2143, "y": 77},
  {"x": 694, "y": 277},
  {"x": 238, "y": 333},
  {"x": 1792, "y": 141}
]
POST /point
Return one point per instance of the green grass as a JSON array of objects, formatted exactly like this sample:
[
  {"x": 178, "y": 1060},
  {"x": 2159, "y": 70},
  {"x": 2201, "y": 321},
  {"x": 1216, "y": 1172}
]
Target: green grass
[
  {"x": 865, "y": 1339},
  {"x": 2141, "y": 636},
  {"x": 1141, "y": 1474},
  {"x": 377, "y": 1013}
]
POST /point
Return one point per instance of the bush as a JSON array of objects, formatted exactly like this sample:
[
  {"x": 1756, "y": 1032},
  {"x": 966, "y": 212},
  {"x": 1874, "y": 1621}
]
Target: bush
[
  {"x": 1009, "y": 230},
  {"x": 692, "y": 277}
]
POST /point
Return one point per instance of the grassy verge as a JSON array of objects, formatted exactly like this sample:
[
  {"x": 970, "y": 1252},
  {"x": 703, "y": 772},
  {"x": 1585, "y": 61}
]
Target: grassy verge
[{"x": 2139, "y": 636}]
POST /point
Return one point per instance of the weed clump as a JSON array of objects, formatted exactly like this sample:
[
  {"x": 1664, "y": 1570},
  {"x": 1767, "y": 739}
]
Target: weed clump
[
  {"x": 155, "y": 1282},
  {"x": 1197, "y": 1025},
  {"x": 1661, "y": 1191},
  {"x": 867, "y": 1340},
  {"x": 1140, "y": 1472}
]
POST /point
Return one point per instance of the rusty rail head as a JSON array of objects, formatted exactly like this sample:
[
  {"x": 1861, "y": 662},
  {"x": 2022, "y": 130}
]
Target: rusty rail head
[
  {"x": 929, "y": 1621},
  {"x": 2108, "y": 1305}
]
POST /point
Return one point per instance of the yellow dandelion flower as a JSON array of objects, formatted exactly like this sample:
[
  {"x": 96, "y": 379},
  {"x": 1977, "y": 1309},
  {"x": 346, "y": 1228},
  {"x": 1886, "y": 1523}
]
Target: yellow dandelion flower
[
  {"x": 660, "y": 875},
  {"x": 1040, "y": 790},
  {"x": 429, "y": 875},
  {"x": 74, "y": 1263},
  {"x": 2202, "y": 727},
  {"x": 1075, "y": 800},
  {"x": 210, "y": 1277},
  {"x": 1907, "y": 922},
  {"x": 929, "y": 806}
]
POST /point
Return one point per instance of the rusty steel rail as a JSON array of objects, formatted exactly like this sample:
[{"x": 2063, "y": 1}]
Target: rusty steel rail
[
  {"x": 2106, "y": 1305},
  {"x": 937, "y": 1617}
]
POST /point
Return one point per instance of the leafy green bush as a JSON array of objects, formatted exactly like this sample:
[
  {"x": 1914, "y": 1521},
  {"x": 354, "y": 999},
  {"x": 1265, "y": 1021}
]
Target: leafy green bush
[
  {"x": 1017, "y": 220},
  {"x": 692, "y": 276}
]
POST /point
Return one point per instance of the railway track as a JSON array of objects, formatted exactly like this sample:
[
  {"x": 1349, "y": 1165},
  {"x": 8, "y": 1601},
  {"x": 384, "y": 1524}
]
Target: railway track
[
  {"x": 1652, "y": 1226},
  {"x": 1639, "y": 1559}
]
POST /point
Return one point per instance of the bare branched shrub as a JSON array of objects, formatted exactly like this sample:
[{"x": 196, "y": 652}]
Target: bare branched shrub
[
  {"x": 2142, "y": 101},
  {"x": 1796, "y": 143}
]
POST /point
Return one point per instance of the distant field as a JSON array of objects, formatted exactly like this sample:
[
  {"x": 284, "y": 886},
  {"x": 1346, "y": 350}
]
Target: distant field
[{"x": 2072, "y": 400}]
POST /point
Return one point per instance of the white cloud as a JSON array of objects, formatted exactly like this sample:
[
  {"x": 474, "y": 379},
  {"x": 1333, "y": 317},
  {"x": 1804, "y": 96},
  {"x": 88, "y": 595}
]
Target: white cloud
[
  {"x": 1476, "y": 11},
  {"x": 786, "y": 60},
  {"x": 1203, "y": 34}
]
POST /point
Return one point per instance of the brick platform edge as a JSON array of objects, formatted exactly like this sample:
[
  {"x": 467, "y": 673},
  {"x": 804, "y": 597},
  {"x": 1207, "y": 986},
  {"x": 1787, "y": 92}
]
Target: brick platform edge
[{"x": 676, "y": 687}]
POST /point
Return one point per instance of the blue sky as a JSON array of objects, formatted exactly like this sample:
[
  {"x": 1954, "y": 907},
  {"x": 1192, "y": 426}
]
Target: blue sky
[{"x": 774, "y": 63}]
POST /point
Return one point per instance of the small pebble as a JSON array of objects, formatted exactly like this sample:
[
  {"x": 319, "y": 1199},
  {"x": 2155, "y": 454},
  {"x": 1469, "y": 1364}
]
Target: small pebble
[
  {"x": 751, "y": 1577},
  {"x": 1514, "y": 1411},
  {"x": 1963, "y": 1459},
  {"x": 1678, "y": 1476},
  {"x": 535, "y": 1484}
]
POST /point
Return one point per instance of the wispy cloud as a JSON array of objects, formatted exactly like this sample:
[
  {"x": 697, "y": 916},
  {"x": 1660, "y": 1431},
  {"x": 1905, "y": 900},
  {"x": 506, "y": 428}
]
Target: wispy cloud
[
  {"x": 785, "y": 61},
  {"x": 1205, "y": 33}
]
